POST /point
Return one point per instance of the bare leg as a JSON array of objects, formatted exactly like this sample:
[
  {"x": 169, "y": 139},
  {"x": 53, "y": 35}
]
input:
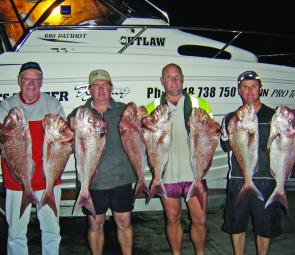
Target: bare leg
[
  {"x": 124, "y": 231},
  {"x": 262, "y": 245},
  {"x": 174, "y": 229},
  {"x": 239, "y": 241},
  {"x": 96, "y": 234},
  {"x": 198, "y": 229}
]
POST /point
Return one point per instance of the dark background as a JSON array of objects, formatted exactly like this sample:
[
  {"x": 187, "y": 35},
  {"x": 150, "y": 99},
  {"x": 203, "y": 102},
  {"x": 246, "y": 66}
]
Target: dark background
[
  {"x": 256, "y": 15},
  {"x": 272, "y": 24}
]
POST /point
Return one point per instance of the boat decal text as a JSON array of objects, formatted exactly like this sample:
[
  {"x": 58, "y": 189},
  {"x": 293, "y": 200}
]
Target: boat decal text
[
  {"x": 83, "y": 92},
  {"x": 223, "y": 92},
  {"x": 62, "y": 96},
  {"x": 62, "y": 37},
  {"x": 143, "y": 41}
]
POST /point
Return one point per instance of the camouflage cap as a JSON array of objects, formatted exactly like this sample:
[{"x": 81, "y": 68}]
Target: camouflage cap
[{"x": 99, "y": 74}]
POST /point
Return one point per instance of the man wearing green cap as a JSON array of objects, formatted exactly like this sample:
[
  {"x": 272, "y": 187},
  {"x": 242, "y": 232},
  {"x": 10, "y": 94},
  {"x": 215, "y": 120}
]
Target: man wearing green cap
[{"x": 112, "y": 185}]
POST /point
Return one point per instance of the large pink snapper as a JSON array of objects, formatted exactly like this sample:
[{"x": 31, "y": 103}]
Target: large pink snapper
[
  {"x": 281, "y": 145},
  {"x": 90, "y": 139},
  {"x": 204, "y": 138},
  {"x": 133, "y": 142},
  {"x": 244, "y": 140},
  {"x": 57, "y": 148},
  {"x": 157, "y": 136},
  {"x": 16, "y": 150}
]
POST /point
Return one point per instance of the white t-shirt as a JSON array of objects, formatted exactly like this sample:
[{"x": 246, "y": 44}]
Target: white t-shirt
[{"x": 178, "y": 168}]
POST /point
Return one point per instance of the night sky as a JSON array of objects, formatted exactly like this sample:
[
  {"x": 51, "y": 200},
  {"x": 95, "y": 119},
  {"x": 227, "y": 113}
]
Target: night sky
[
  {"x": 250, "y": 16},
  {"x": 256, "y": 15}
]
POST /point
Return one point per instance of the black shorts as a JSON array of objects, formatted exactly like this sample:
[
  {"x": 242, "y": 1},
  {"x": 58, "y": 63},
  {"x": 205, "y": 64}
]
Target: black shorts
[
  {"x": 119, "y": 199},
  {"x": 266, "y": 222}
]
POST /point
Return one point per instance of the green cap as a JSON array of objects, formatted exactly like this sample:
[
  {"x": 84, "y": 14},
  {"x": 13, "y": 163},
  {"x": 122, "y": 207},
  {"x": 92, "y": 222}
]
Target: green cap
[{"x": 99, "y": 74}]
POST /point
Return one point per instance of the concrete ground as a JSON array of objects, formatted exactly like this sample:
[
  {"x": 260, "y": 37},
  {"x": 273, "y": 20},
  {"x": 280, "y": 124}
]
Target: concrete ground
[{"x": 149, "y": 236}]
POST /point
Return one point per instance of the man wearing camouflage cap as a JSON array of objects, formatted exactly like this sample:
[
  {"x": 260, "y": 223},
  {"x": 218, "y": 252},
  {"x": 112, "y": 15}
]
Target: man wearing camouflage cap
[{"x": 112, "y": 185}]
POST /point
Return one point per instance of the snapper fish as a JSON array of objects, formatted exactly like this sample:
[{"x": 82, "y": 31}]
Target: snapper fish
[
  {"x": 281, "y": 146},
  {"x": 16, "y": 150},
  {"x": 203, "y": 140},
  {"x": 244, "y": 141},
  {"x": 157, "y": 136},
  {"x": 58, "y": 145},
  {"x": 90, "y": 139},
  {"x": 133, "y": 143}
]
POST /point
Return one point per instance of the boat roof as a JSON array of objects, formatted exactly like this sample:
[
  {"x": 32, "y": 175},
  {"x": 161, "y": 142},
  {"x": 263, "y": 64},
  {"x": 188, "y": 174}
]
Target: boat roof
[{"x": 18, "y": 18}]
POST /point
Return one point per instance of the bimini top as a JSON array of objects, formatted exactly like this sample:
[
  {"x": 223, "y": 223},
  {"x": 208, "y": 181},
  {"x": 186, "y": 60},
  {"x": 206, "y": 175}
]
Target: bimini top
[{"x": 117, "y": 27}]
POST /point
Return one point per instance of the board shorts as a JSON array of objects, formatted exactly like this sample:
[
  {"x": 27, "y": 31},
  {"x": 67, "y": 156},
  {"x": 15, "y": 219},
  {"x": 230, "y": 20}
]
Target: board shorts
[
  {"x": 266, "y": 221},
  {"x": 119, "y": 199},
  {"x": 180, "y": 189}
]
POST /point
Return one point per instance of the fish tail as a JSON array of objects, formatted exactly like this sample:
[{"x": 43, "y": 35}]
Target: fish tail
[
  {"x": 198, "y": 191},
  {"x": 49, "y": 199},
  {"x": 156, "y": 189},
  {"x": 249, "y": 189},
  {"x": 28, "y": 198},
  {"x": 279, "y": 196},
  {"x": 84, "y": 199}
]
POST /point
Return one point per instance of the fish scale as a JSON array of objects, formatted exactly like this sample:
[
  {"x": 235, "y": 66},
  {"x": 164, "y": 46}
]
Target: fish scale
[
  {"x": 203, "y": 140},
  {"x": 57, "y": 148},
  {"x": 244, "y": 140},
  {"x": 90, "y": 139},
  {"x": 157, "y": 137},
  {"x": 281, "y": 146},
  {"x": 133, "y": 143},
  {"x": 16, "y": 150}
]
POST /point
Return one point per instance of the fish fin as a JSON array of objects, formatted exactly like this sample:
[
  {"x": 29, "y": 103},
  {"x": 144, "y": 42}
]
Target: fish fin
[
  {"x": 280, "y": 197},
  {"x": 198, "y": 191},
  {"x": 249, "y": 189},
  {"x": 49, "y": 199},
  {"x": 28, "y": 198},
  {"x": 72, "y": 123},
  {"x": 156, "y": 189},
  {"x": 84, "y": 199},
  {"x": 140, "y": 188}
]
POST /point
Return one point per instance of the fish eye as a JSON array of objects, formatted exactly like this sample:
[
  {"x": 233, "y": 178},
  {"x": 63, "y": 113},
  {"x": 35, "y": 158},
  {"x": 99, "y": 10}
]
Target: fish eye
[
  {"x": 13, "y": 124},
  {"x": 90, "y": 120},
  {"x": 62, "y": 129}
]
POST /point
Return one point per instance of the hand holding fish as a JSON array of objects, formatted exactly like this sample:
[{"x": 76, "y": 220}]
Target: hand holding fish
[
  {"x": 281, "y": 146},
  {"x": 157, "y": 136},
  {"x": 203, "y": 139},
  {"x": 58, "y": 145},
  {"x": 90, "y": 139},
  {"x": 133, "y": 143},
  {"x": 244, "y": 141},
  {"x": 16, "y": 150}
]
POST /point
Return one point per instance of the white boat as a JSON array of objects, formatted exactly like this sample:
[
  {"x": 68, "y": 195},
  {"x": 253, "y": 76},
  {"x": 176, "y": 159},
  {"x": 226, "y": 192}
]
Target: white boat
[{"x": 133, "y": 40}]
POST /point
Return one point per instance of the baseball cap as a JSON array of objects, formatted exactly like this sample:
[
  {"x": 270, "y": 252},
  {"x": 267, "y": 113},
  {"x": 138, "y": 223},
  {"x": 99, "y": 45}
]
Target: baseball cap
[
  {"x": 99, "y": 74},
  {"x": 248, "y": 75},
  {"x": 30, "y": 65}
]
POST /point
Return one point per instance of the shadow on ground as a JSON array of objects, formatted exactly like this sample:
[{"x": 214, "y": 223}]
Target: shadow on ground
[{"x": 150, "y": 239}]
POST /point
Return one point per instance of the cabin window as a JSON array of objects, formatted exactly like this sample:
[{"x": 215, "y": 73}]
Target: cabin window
[{"x": 202, "y": 51}]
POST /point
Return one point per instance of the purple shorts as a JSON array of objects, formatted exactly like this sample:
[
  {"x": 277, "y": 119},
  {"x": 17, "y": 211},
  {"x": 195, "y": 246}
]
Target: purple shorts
[{"x": 180, "y": 189}]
